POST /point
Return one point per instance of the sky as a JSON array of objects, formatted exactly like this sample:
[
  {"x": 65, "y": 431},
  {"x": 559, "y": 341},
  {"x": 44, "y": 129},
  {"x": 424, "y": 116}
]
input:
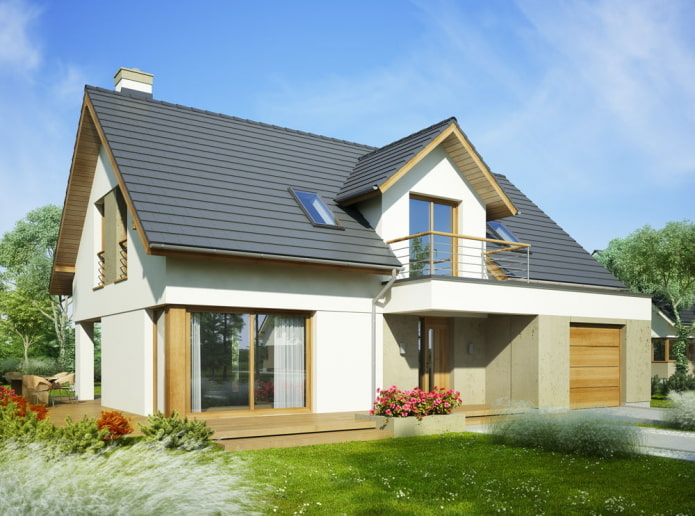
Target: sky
[{"x": 587, "y": 106}]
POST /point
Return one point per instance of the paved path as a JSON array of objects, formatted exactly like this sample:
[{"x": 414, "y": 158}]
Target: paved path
[{"x": 662, "y": 443}]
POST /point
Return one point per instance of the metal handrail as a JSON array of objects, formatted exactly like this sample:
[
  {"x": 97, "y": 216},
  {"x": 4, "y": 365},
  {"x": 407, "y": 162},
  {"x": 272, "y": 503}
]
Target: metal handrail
[{"x": 450, "y": 254}]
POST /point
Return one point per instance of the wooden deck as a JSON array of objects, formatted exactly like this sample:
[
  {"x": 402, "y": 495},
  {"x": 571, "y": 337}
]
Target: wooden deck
[{"x": 274, "y": 431}]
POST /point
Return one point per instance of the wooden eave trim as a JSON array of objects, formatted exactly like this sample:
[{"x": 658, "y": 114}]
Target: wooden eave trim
[
  {"x": 265, "y": 260},
  {"x": 453, "y": 131},
  {"x": 119, "y": 177}
]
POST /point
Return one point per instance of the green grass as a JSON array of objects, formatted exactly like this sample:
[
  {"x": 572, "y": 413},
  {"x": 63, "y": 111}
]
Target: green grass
[
  {"x": 465, "y": 474},
  {"x": 661, "y": 401}
]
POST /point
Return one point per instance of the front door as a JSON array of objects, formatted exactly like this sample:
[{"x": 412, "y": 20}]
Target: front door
[{"x": 435, "y": 353}]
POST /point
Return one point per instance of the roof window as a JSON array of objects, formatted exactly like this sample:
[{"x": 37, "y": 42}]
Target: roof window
[
  {"x": 314, "y": 208},
  {"x": 501, "y": 232}
]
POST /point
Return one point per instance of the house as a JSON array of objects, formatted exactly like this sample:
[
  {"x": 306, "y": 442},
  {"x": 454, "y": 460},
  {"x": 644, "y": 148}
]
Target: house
[
  {"x": 238, "y": 268},
  {"x": 664, "y": 334}
]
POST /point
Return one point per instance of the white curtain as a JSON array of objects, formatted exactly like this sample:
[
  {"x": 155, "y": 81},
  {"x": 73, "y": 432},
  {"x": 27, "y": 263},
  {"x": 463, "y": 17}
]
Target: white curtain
[
  {"x": 196, "y": 383},
  {"x": 289, "y": 373}
]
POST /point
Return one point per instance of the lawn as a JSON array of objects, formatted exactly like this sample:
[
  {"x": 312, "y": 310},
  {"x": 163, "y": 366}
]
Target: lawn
[{"x": 465, "y": 474}]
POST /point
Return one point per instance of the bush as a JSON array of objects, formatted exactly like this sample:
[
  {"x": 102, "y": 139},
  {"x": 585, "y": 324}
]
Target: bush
[
  {"x": 569, "y": 433},
  {"x": 657, "y": 385},
  {"x": 679, "y": 382},
  {"x": 682, "y": 415},
  {"x": 115, "y": 423},
  {"x": 176, "y": 433},
  {"x": 40, "y": 367},
  {"x": 83, "y": 436},
  {"x": 393, "y": 402}
]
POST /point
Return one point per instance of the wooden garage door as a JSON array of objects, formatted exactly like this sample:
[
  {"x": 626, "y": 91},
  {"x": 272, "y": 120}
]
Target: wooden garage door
[{"x": 594, "y": 367}]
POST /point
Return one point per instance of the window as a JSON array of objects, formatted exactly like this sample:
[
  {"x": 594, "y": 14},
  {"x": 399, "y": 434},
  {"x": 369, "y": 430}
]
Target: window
[
  {"x": 662, "y": 348},
  {"x": 432, "y": 254},
  {"x": 501, "y": 232},
  {"x": 112, "y": 257},
  {"x": 247, "y": 361},
  {"x": 314, "y": 208}
]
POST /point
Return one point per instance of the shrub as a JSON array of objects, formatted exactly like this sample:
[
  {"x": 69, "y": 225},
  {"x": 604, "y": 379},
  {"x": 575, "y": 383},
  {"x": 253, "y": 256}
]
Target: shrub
[
  {"x": 569, "y": 433},
  {"x": 21, "y": 404},
  {"x": 657, "y": 385},
  {"x": 83, "y": 436},
  {"x": 176, "y": 433},
  {"x": 40, "y": 366},
  {"x": 679, "y": 382},
  {"x": 682, "y": 415},
  {"x": 23, "y": 426},
  {"x": 393, "y": 402},
  {"x": 115, "y": 422}
]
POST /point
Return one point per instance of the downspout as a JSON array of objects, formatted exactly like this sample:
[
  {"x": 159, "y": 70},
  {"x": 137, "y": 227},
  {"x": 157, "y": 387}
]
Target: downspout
[{"x": 382, "y": 293}]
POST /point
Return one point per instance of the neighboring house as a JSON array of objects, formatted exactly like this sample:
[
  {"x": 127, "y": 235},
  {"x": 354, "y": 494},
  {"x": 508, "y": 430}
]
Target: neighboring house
[
  {"x": 663, "y": 336},
  {"x": 241, "y": 268}
]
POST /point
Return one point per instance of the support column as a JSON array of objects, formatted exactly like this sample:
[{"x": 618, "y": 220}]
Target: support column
[{"x": 84, "y": 360}]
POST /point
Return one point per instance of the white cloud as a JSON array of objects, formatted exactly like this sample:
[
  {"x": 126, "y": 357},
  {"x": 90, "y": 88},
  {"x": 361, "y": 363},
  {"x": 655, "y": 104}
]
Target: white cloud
[{"x": 18, "y": 51}]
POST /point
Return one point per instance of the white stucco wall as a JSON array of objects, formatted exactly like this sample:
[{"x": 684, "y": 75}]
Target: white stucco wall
[
  {"x": 441, "y": 295},
  {"x": 138, "y": 291},
  {"x": 127, "y": 362}
]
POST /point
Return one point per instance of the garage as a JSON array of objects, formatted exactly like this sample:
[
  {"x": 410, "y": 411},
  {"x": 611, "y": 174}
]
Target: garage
[{"x": 594, "y": 366}]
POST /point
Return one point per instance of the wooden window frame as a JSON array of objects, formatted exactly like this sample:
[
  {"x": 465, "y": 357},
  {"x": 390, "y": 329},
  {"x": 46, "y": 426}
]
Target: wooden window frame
[
  {"x": 689, "y": 350},
  {"x": 308, "y": 338}
]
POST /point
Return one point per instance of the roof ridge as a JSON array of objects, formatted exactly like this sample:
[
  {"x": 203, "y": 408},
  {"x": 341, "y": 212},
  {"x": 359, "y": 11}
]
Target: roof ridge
[
  {"x": 416, "y": 133},
  {"x": 230, "y": 117}
]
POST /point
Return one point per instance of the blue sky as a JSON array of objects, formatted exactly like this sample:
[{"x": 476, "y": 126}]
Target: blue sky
[{"x": 587, "y": 106}]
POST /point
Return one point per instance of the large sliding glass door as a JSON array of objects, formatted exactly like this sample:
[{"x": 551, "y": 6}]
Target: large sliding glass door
[{"x": 244, "y": 361}]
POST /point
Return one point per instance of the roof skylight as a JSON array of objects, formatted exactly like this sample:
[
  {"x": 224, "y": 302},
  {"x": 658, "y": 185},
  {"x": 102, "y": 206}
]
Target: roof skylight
[
  {"x": 315, "y": 208},
  {"x": 502, "y": 232}
]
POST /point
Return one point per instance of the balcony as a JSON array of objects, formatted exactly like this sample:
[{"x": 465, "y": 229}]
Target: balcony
[{"x": 434, "y": 253}]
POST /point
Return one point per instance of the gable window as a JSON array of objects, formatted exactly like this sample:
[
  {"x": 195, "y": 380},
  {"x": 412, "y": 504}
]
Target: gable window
[
  {"x": 112, "y": 258},
  {"x": 432, "y": 253},
  {"x": 247, "y": 361},
  {"x": 314, "y": 208}
]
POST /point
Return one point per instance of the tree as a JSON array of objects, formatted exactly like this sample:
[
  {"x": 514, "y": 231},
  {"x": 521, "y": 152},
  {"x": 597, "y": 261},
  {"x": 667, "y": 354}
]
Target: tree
[
  {"x": 661, "y": 263},
  {"x": 26, "y": 256},
  {"x": 19, "y": 315}
]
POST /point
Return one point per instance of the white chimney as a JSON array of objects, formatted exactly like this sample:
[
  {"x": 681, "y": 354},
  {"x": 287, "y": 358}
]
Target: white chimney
[{"x": 134, "y": 80}]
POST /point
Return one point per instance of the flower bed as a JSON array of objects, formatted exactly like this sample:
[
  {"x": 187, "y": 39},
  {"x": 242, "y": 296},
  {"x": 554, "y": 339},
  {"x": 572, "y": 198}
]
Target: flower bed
[{"x": 394, "y": 402}]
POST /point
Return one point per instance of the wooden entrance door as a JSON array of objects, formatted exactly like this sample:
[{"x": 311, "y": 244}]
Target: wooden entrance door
[
  {"x": 594, "y": 366},
  {"x": 435, "y": 353}
]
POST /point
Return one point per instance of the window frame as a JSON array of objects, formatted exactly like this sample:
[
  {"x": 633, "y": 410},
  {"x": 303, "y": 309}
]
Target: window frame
[
  {"x": 307, "y": 212},
  {"x": 252, "y": 313}
]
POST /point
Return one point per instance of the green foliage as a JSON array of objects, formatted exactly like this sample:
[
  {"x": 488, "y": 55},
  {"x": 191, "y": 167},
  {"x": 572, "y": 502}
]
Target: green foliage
[
  {"x": 82, "y": 436},
  {"x": 569, "y": 433},
  {"x": 176, "y": 433},
  {"x": 682, "y": 415},
  {"x": 23, "y": 428},
  {"x": 678, "y": 382},
  {"x": 661, "y": 263},
  {"x": 26, "y": 260},
  {"x": 657, "y": 385}
]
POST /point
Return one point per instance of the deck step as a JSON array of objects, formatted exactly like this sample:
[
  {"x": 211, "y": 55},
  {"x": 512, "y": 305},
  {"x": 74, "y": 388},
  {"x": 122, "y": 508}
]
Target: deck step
[{"x": 306, "y": 439}]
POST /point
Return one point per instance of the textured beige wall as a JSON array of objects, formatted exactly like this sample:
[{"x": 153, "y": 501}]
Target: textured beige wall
[
  {"x": 636, "y": 359},
  {"x": 554, "y": 361},
  {"x": 469, "y": 359},
  {"x": 512, "y": 360},
  {"x": 400, "y": 370}
]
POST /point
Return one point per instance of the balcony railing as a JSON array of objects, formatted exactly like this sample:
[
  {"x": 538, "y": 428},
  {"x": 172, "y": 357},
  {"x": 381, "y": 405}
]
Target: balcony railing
[
  {"x": 101, "y": 268},
  {"x": 122, "y": 260},
  {"x": 447, "y": 254}
]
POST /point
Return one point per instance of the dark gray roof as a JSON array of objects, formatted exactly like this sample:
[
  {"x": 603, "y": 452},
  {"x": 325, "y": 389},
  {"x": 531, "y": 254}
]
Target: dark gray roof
[
  {"x": 687, "y": 315},
  {"x": 376, "y": 167},
  {"x": 208, "y": 181},
  {"x": 555, "y": 256}
]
